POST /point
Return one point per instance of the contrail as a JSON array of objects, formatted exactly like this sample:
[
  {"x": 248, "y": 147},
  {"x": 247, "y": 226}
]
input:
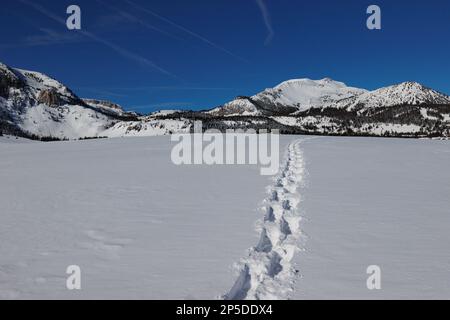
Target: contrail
[
  {"x": 133, "y": 18},
  {"x": 49, "y": 37},
  {"x": 192, "y": 33},
  {"x": 123, "y": 52},
  {"x": 267, "y": 21},
  {"x": 172, "y": 88}
]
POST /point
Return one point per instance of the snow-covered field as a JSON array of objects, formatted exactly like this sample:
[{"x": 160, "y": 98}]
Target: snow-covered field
[
  {"x": 137, "y": 225},
  {"x": 382, "y": 202},
  {"x": 142, "y": 228}
]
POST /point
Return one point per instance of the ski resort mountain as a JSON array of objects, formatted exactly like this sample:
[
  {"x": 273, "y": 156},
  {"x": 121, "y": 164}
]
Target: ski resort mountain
[
  {"x": 290, "y": 97},
  {"x": 34, "y": 105}
]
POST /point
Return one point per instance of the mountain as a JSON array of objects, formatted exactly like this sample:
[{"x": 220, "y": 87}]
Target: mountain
[
  {"x": 36, "y": 106},
  {"x": 289, "y": 97},
  {"x": 303, "y": 94},
  {"x": 329, "y": 107},
  {"x": 242, "y": 106},
  {"x": 407, "y": 93},
  {"x": 407, "y": 109},
  {"x": 108, "y": 107}
]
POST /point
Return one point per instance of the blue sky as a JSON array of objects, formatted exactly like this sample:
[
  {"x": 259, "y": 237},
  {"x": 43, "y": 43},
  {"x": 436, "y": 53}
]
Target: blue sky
[{"x": 156, "y": 54}]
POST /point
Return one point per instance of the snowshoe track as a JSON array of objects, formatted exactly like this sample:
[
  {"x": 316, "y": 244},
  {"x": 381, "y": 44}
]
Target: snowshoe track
[{"x": 267, "y": 273}]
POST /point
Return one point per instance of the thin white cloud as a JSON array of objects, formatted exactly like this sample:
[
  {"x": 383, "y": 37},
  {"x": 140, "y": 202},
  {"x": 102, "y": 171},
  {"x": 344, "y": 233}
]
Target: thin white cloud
[
  {"x": 186, "y": 30},
  {"x": 267, "y": 21},
  {"x": 118, "y": 49}
]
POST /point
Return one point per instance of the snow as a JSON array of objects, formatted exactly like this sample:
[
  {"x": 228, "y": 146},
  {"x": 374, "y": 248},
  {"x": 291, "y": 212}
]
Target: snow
[
  {"x": 382, "y": 128},
  {"x": 74, "y": 122},
  {"x": 68, "y": 117},
  {"x": 147, "y": 128},
  {"x": 164, "y": 112},
  {"x": 239, "y": 106},
  {"x": 109, "y": 107},
  {"x": 406, "y": 93},
  {"x": 306, "y": 93},
  {"x": 298, "y": 93},
  {"x": 141, "y": 227},
  {"x": 38, "y": 82},
  {"x": 372, "y": 201},
  {"x": 14, "y": 140},
  {"x": 137, "y": 225},
  {"x": 70, "y": 122},
  {"x": 424, "y": 114},
  {"x": 446, "y": 117},
  {"x": 288, "y": 121},
  {"x": 267, "y": 273}
]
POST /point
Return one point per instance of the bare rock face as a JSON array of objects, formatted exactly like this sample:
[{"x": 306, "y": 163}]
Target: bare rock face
[
  {"x": 50, "y": 98},
  {"x": 4, "y": 88},
  {"x": 8, "y": 80}
]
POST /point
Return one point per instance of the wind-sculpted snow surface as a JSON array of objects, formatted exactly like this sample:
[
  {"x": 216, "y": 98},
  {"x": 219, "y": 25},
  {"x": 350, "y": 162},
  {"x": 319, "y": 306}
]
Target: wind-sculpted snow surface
[{"x": 267, "y": 272}]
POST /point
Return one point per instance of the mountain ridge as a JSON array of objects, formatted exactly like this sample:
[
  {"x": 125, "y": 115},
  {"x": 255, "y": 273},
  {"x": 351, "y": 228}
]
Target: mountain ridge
[
  {"x": 37, "y": 106},
  {"x": 409, "y": 92},
  {"x": 292, "y": 96}
]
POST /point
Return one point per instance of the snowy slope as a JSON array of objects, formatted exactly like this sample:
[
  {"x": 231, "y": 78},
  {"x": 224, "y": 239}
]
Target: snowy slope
[
  {"x": 38, "y": 83},
  {"x": 108, "y": 107},
  {"x": 164, "y": 112},
  {"x": 66, "y": 122},
  {"x": 42, "y": 106},
  {"x": 242, "y": 106},
  {"x": 148, "y": 126}
]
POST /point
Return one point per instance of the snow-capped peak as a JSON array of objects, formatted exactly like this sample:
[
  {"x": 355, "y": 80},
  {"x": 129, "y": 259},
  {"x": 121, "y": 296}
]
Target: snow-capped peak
[
  {"x": 305, "y": 82},
  {"x": 406, "y": 93},
  {"x": 290, "y": 96},
  {"x": 303, "y": 94}
]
